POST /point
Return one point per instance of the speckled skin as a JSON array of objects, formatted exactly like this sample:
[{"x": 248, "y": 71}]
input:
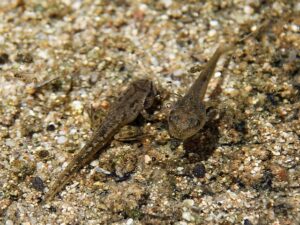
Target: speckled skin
[
  {"x": 139, "y": 96},
  {"x": 188, "y": 115}
]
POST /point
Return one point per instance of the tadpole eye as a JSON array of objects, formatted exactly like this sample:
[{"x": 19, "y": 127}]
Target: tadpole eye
[{"x": 174, "y": 117}]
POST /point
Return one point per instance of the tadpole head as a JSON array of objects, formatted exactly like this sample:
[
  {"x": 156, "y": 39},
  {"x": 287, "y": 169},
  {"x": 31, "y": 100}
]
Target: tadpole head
[{"x": 186, "y": 122}]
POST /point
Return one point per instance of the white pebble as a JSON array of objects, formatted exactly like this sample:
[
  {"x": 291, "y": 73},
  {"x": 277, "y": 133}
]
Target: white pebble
[
  {"x": 73, "y": 131},
  {"x": 94, "y": 163},
  {"x": 178, "y": 72},
  {"x": 188, "y": 202},
  {"x": 40, "y": 166},
  {"x": 187, "y": 216},
  {"x": 77, "y": 105},
  {"x": 248, "y": 10},
  {"x": 147, "y": 159},
  {"x": 212, "y": 33},
  {"x": 218, "y": 74},
  {"x": 277, "y": 7},
  {"x": 167, "y": 3},
  {"x": 9, "y": 222},
  {"x": 181, "y": 223},
  {"x": 2, "y": 39},
  {"x": 297, "y": 6},
  {"x": 61, "y": 140},
  {"x": 43, "y": 54},
  {"x": 100, "y": 170},
  {"x": 10, "y": 143},
  {"x": 214, "y": 23},
  {"x": 129, "y": 221},
  {"x": 295, "y": 28},
  {"x": 179, "y": 169}
]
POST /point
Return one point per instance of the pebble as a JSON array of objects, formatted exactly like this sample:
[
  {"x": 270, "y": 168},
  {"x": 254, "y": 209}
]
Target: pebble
[
  {"x": 9, "y": 222},
  {"x": 129, "y": 221},
  {"x": 10, "y": 143},
  {"x": 248, "y": 10},
  {"x": 37, "y": 183},
  {"x": 147, "y": 159},
  {"x": 212, "y": 33},
  {"x": 199, "y": 170},
  {"x": 94, "y": 163},
  {"x": 214, "y": 23},
  {"x": 61, "y": 140},
  {"x": 77, "y": 106},
  {"x": 187, "y": 216},
  {"x": 188, "y": 202},
  {"x": 247, "y": 222},
  {"x": 181, "y": 223},
  {"x": 167, "y": 3}
]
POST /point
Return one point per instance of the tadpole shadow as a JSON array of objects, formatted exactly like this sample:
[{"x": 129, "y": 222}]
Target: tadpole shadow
[{"x": 202, "y": 145}]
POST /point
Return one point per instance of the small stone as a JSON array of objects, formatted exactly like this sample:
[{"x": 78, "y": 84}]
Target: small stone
[
  {"x": 199, "y": 170},
  {"x": 188, "y": 202},
  {"x": 37, "y": 183},
  {"x": 214, "y": 23},
  {"x": 43, "y": 153},
  {"x": 277, "y": 7},
  {"x": 9, "y": 222},
  {"x": 248, "y": 10},
  {"x": 4, "y": 58},
  {"x": 295, "y": 28},
  {"x": 187, "y": 216},
  {"x": 77, "y": 106},
  {"x": 94, "y": 163},
  {"x": 10, "y": 143},
  {"x": 51, "y": 127},
  {"x": 178, "y": 72},
  {"x": 147, "y": 159},
  {"x": 181, "y": 223},
  {"x": 247, "y": 222},
  {"x": 180, "y": 169},
  {"x": 167, "y": 3},
  {"x": 212, "y": 33},
  {"x": 129, "y": 221},
  {"x": 61, "y": 140}
]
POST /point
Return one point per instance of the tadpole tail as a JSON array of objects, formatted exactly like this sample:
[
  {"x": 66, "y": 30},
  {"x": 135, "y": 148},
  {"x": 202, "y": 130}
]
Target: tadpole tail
[
  {"x": 85, "y": 155},
  {"x": 65, "y": 176}
]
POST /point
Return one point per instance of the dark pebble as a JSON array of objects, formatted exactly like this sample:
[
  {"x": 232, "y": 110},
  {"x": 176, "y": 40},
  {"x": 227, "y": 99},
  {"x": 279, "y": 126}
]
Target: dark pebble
[
  {"x": 43, "y": 153},
  {"x": 199, "y": 170},
  {"x": 37, "y": 183},
  {"x": 247, "y": 222},
  {"x": 4, "y": 58},
  {"x": 51, "y": 127}
]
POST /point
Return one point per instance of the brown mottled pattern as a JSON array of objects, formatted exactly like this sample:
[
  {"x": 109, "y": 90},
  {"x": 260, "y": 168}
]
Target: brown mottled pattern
[{"x": 123, "y": 111}]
